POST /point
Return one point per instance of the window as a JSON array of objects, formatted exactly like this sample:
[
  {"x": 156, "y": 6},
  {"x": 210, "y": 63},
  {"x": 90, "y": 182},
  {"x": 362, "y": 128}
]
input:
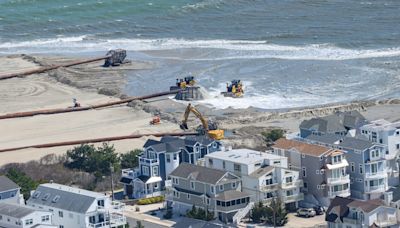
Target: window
[
  {"x": 289, "y": 179},
  {"x": 146, "y": 171},
  {"x": 305, "y": 184},
  {"x": 28, "y": 221},
  {"x": 1, "y": 217},
  {"x": 233, "y": 202},
  {"x": 374, "y": 168},
  {"x": 192, "y": 184},
  {"x": 60, "y": 214},
  {"x": 212, "y": 190},
  {"x": 155, "y": 171},
  {"x": 317, "y": 171},
  {"x": 221, "y": 187},
  {"x": 318, "y": 187},
  {"x": 100, "y": 203},
  {"x": 215, "y": 145},
  {"x": 168, "y": 158},
  {"x": 374, "y": 153},
  {"x": 237, "y": 167},
  {"x": 223, "y": 164},
  {"x": 303, "y": 155},
  {"x": 36, "y": 194},
  {"x": 352, "y": 167},
  {"x": 304, "y": 172},
  {"x": 55, "y": 199},
  {"x": 218, "y": 203},
  {"x": 188, "y": 196},
  {"x": 45, "y": 218},
  {"x": 175, "y": 180},
  {"x": 61, "y": 226},
  {"x": 175, "y": 157},
  {"x": 238, "y": 201},
  {"x": 337, "y": 159},
  {"x": 322, "y": 171},
  {"x": 208, "y": 201},
  {"x": 46, "y": 196},
  {"x": 361, "y": 168},
  {"x": 210, "y": 162},
  {"x": 397, "y": 146},
  {"x": 234, "y": 185}
]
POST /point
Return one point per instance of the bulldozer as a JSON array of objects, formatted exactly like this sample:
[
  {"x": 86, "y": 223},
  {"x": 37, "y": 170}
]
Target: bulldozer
[
  {"x": 235, "y": 89},
  {"x": 187, "y": 81},
  {"x": 209, "y": 128},
  {"x": 155, "y": 121}
]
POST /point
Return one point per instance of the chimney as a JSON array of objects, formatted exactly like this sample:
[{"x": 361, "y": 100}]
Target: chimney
[{"x": 387, "y": 198}]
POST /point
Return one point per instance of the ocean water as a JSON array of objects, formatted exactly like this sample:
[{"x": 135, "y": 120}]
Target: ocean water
[{"x": 288, "y": 53}]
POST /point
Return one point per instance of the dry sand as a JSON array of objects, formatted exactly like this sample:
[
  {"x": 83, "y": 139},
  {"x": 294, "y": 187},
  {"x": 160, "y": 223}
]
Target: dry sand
[{"x": 40, "y": 92}]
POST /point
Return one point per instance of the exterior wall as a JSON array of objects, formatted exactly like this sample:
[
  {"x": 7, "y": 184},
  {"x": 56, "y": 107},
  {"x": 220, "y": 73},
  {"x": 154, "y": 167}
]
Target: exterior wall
[
  {"x": 68, "y": 219},
  {"x": 36, "y": 217},
  {"x": 11, "y": 196},
  {"x": 171, "y": 164}
]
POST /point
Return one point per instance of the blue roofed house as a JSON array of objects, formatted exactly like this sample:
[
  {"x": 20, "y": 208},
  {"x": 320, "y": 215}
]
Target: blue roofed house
[
  {"x": 367, "y": 163},
  {"x": 159, "y": 159},
  {"x": 339, "y": 123}
]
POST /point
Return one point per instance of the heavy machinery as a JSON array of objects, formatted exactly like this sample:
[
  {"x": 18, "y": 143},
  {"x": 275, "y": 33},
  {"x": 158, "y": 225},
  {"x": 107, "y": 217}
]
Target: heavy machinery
[
  {"x": 187, "y": 81},
  {"x": 115, "y": 57},
  {"x": 235, "y": 89},
  {"x": 209, "y": 128},
  {"x": 156, "y": 120}
]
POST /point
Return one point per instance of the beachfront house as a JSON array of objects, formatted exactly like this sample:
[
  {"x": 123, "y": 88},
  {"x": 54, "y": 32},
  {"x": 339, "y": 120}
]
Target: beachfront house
[
  {"x": 10, "y": 191},
  {"x": 351, "y": 213},
  {"x": 339, "y": 123},
  {"x": 74, "y": 207},
  {"x": 159, "y": 159},
  {"x": 217, "y": 191},
  {"x": 322, "y": 169},
  {"x": 20, "y": 216},
  {"x": 264, "y": 176},
  {"x": 387, "y": 133},
  {"x": 367, "y": 163}
]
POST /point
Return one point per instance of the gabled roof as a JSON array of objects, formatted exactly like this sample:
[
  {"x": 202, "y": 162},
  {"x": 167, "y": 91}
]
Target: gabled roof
[
  {"x": 6, "y": 184},
  {"x": 199, "y": 173},
  {"x": 304, "y": 148},
  {"x": 203, "y": 140},
  {"x": 366, "y": 206},
  {"x": 125, "y": 180},
  {"x": 69, "y": 198},
  {"x": 343, "y": 141},
  {"x": 396, "y": 193},
  {"x": 17, "y": 211},
  {"x": 337, "y": 122}
]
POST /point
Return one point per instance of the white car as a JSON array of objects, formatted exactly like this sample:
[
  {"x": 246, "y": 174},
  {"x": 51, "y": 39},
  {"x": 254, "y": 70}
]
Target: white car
[{"x": 306, "y": 212}]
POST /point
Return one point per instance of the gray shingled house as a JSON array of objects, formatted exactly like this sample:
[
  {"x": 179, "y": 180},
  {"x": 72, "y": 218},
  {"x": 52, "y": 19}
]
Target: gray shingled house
[
  {"x": 159, "y": 159},
  {"x": 211, "y": 189},
  {"x": 9, "y": 191}
]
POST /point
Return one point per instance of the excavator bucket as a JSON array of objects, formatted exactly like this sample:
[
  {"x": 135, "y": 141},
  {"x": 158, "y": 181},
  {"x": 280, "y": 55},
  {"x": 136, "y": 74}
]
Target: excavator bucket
[
  {"x": 184, "y": 126},
  {"x": 216, "y": 134}
]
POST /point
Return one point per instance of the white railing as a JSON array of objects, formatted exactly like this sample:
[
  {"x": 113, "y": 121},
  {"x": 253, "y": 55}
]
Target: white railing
[
  {"x": 133, "y": 173},
  {"x": 115, "y": 221},
  {"x": 387, "y": 222},
  {"x": 343, "y": 193},
  {"x": 148, "y": 160},
  {"x": 269, "y": 187},
  {"x": 242, "y": 213},
  {"x": 295, "y": 197},
  {"x": 380, "y": 174},
  {"x": 337, "y": 180},
  {"x": 378, "y": 188},
  {"x": 293, "y": 184}
]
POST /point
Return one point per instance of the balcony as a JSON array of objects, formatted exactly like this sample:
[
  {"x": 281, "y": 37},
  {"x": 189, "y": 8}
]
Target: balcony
[
  {"x": 338, "y": 180},
  {"x": 294, "y": 184},
  {"x": 130, "y": 173},
  {"x": 391, "y": 221},
  {"x": 293, "y": 198},
  {"x": 377, "y": 175},
  {"x": 375, "y": 189},
  {"x": 148, "y": 161},
  {"x": 343, "y": 193},
  {"x": 115, "y": 220},
  {"x": 269, "y": 187}
]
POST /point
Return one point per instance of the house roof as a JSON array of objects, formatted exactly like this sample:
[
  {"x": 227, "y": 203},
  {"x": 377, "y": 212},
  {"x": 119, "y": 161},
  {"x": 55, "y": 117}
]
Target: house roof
[
  {"x": 15, "y": 210},
  {"x": 174, "y": 144},
  {"x": 204, "y": 140},
  {"x": 199, "y": 173},
  {"x": 231, "y": 195},
  {"x": 343, "y": 141},
  {"x": 337, "y": 122},
  {"x": 340, "y": 207},
  {"x": 304, "y": 148},
  {"x": 125, "y": 180},
  {"x": 70, "y": 199},
  {"x": 366, "y": 206},
  {"x": 262, "y": 171},
  {"x": 396, "y": 193},
  {"x": 243, "y": 156},
  {"x": 7, "y": 184}
]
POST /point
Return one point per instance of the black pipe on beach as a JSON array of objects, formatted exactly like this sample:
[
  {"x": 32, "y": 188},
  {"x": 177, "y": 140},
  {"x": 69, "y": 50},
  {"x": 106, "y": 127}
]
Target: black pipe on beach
[
  {"x": 77, "y": 109},
  {"x": 97, "y": 140},
  {"x": 53, "y": 67}
]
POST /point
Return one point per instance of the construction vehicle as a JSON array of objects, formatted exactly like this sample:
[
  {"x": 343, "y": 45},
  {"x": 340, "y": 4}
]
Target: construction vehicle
[
  {"x": 187, "y": 81},
  {"x": 76, "y": 103},
  {"x": 235, "y": 89},
  {"x": 115, "y": 57},
  {"x": 209, "y": 128},
  {"x": 156, "y": 120}
]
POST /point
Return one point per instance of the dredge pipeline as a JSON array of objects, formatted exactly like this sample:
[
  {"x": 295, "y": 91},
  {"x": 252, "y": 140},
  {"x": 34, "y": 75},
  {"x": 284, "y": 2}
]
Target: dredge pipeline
[
  {"x": 44, "y": 69},
  {"x": 106, "y": 139},
  {"x": 77, "y": 109}
]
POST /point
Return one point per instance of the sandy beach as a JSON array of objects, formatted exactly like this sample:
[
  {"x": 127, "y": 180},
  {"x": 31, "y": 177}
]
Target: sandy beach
[{"x": 89, "y": 83}]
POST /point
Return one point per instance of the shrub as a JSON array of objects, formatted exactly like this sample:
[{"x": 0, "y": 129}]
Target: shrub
[{"x": 151, "y": 200}]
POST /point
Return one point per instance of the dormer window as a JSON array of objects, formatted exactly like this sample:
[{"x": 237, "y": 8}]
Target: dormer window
[
  {"x": 46, "y": 197},
  {"x": 336, "y": 159},
  {"x": 36, "y": 194}
]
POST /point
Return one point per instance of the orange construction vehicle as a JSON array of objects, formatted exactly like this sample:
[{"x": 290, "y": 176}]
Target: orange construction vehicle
[{"x": 156, "y": 120}]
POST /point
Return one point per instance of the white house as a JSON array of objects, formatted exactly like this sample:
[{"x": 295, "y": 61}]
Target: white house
[
  {"x": 21, "y": 216},
  {"x": 263, "y": 175},
  {"x": 74, "y": 207}
]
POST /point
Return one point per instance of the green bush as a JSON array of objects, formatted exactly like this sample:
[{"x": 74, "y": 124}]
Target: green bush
[
  {"x": 199, "y": 213},
  {"x": 151, "y": 200}
]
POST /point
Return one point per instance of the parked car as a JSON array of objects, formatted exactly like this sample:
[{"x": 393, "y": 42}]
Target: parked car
[
  {"x": 319, "y": 210},
  {"x": 306, "y": 212}
]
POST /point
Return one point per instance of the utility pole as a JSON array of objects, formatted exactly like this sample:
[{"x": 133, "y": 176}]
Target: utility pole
[{"x": 112, "y": 182}]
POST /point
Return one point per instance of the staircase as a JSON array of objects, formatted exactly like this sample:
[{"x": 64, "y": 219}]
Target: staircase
[{"x": 242, "y": 213}]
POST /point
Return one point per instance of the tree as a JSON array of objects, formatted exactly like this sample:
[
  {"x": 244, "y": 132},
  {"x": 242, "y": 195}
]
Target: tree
[
  {"x": 78, "y": 156},
  {"x": 273, "y": 135},
  {"x": 130, "y": 159},
  {"x": 258, "y": 212},
  {"x": 276, "y": 213},
  {"x": 22, "y": 180}
]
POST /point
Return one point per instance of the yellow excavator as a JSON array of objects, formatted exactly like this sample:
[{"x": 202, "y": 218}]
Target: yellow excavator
[{"x": 208, "y": 127}]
